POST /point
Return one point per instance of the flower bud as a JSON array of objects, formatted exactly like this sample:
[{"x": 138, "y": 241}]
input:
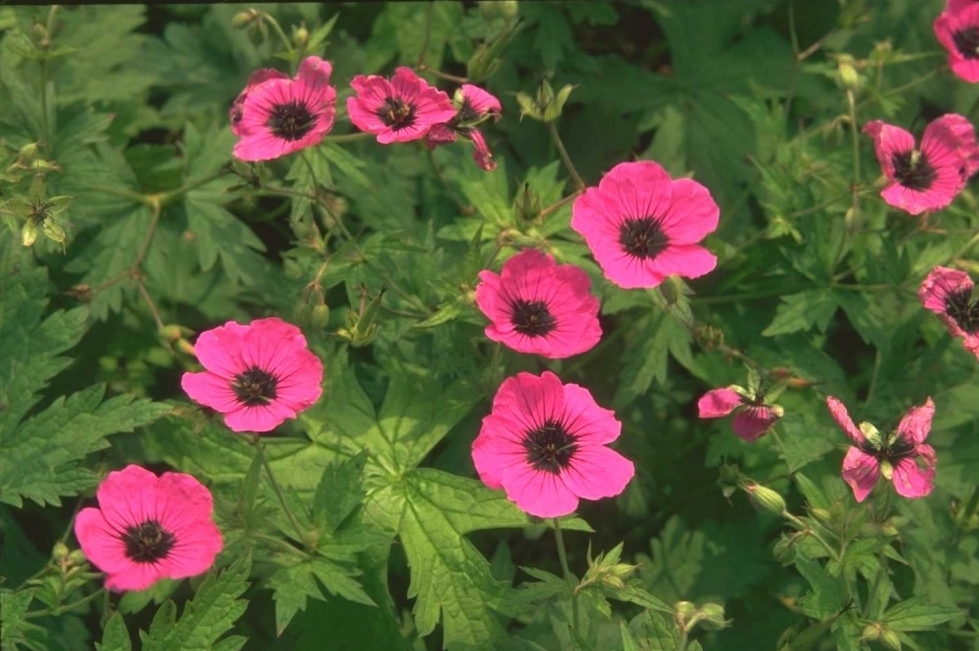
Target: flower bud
[
  {"x": 301, "y": 37},
  {"x": 528, "y": 205},
  {"x": 28, "y": 152},
  {"x": 77, "y": 557},
  {"x": 683, "y": 612},
  {"x": 185, "y": 346},
  {"x": 672, "y": 290},
  {"x": 765, "y": 499},
  {"x": 170, "y": 333},
  {"x": 848, "y": 75},
  {"x": 60, "y": 551},
  {"x": 713, "y": 616},
  {"x": 785, "y": 550},
  {"x": 243, "y": 19},
  {"x": 319, "y": 317},
  {"x": 821, "y": 514},
  {"x": 499, "y": 9},
  {"x": 546, "y": 106},
  {"x": 28, "y": 234}
]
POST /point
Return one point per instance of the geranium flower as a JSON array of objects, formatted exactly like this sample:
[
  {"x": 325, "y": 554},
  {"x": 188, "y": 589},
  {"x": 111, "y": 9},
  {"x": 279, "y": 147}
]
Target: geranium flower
[
  {"x": 957, "y": 29},
  {"x": 538, "y": 306},
  {"x": 643, "y": 226},
  {"x": 544, "y": 443},
  {"x": 257, "y": 375},
  {"x": 902, "y": 457},
  {"x": 752, "y": 418},
  {"x": 473, "y": 106},
  {"x": 929, "y": 178},
  {"x": 948, "y": 293},
  {"x": 148, "y": 528},
  {"x": 275, "y": 115},
  {"x": 399, "y": 110}
]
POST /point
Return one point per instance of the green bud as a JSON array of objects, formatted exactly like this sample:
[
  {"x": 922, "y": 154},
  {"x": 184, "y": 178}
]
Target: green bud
[
  {"x": 243, "y": 19},
  {"x": 784, "y": 550},
  {"x": 713, "y": 616},
  {"x": 499, "y": 9},
  {"x": 28, "y": 152},
  {"x": 528, "y": 205},
  {"x": 821, "y": 514},
  {"x": 546, "y": 106},
  {"x": 60, "y": 551},
  {"x": 53, "y": 231},
  {"x": 301, "y": 36},
  {"x": 765, "y": 499},
  {"x": 672, "y": 290},
  {"x": 683, "y": 612},
  {"x": 170, "y": 333},
  {"x": 848, "y": 75},
  {"x": 319, "y": 317},
  {"x": 77, "y": 557},
  {"x": 28, "y": 234},
  {"x": 890, "y": 639}
]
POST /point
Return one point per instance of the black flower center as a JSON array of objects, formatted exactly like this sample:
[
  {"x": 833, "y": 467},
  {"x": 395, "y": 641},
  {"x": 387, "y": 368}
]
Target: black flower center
[
  {"x": 466, "y": 113},
  {"x": 291, "y": 121},
  {"x": 532, "y": 318},
  {"x": 967, "y": 42},
  {"x": 255, "y": 387},
  {"x": 550, "y": 447},
  {"x": 961, "y": 309},
  {"x": 396, "y": 113},
  {"x": 913, "y": 173},
  {"x": 898, "y": 447},
  {"x": 642, "y": 238},
  {"x": 147, "y": 542}
]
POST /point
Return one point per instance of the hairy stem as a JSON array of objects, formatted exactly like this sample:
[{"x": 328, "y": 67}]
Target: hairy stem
[
  {"x": 563, "y": 556},
  {"x": 275, "y": 487},
  {"x": 556, "y": 137}
]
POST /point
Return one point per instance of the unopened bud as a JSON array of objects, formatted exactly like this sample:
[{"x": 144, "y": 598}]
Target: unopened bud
[
  {"x": 170, "y": 332},
  {"x": 185, "y": 346},
  {"x": 713, "y": 616},
  {"x": 784, "y": 550},
  {"x": 672, "y": 290},
  {"x": 319, "y": 317},
  {"x": 499, "y": 9},
  {"x": 301, "y": 37},
  {"x": 60, "y": 551},
  {"x": 243, "y": 19},
  {"x": 28, "y": 234},
  {"x": 821, "y": 514},
  {"x": 765, "y": 499},
  {"x": 28, "y": 152},
  {"x": 683, "y": 612},
  {"x": 77, "y": 557},
  {"x": 527, "y": 205},
  {"x": 848, "y": 76}
]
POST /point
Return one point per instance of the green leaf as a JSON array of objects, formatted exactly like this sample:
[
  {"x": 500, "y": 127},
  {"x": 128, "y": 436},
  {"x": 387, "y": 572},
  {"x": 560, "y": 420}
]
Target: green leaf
[
  {"x": 219, "y": 234},
  {"x": 293, "y": 584},
  {"x": 212, "y": 613},
  {"x": 918, "y": 614},
  {"x": 802, "y": 311},
  {"x": 115, "y": 637},
  {"x": 827, "y": 594},
  {"x": 339, "y": 492},
  {"x": 657, "y": 336},
  {"x": 15, "y": 631}
]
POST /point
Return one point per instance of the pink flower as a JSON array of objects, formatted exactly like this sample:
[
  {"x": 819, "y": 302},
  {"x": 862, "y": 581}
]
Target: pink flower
[
  {"x": 957, "y": 29},
  {"x": 257, "y": 375},
  {"x": 275, "y": 115},
  {"x": 537, "y": 306},
  {"x": 481, "y": 152},
  {"x": 948, "y": 293},
  {"x": 903, "y": 457},
  {"x": 148, "y": 528},
  {"x": 473, "y": 106},
  {"x": 752, "y": 419},
  {"x": 399, "y": 110},
  {"x": 643, "y": 226},
  {"x": 544, "y": 443},
  {"x": 929, "y": 178}
]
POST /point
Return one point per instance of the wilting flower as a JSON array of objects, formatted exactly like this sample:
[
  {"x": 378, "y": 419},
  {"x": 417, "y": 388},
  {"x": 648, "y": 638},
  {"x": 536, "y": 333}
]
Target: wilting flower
[
  {"x": 752, "y": 417},
  {"x": 928, "y": 178},
  {"x": 902, "y": 456},
  {"x": 275, "y": 115},
  {"x": 257, "y": 375},
  {"x": 948, "y": 293},
  {"x": 537, "y": 306},
  {"x": 544, "y": 443},
  {"x": 643, "y": 226},
  {"x": 957, "y": 29},
  {"x": 473, "y": 106},
  {"x": 148, "y": 528},
  {"x": 399, "y": 110}
]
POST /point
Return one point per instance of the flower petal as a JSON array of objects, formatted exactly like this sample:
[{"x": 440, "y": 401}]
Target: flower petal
[
  {"x": 917, "y": 422},
  {"x": 842, "y": 418},
  {"x": 718, "y": 403},
  {"x": 861, "y": 471}
]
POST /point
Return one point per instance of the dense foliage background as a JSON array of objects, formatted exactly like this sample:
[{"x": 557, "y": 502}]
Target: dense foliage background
[{"x": 816, "y": 286}]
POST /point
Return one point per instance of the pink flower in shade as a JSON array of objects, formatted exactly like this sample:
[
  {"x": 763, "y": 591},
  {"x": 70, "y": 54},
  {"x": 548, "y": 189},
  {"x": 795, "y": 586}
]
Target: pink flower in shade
[
  {"x": 148, "y": 528},
  {"x": 537, "y": 306},
  {"x": 903, "y": 457},
  {"x": 473, "y": 106},
  {"x": 948, "y": 293},
  {"x": 399, "y": 110},
  {"x": 275, "y": 115},
  {"x": 481, "y": 152},
  {"x": 957, "y": 29},
  {"x": 544, "y": 443},
  {"x": 929, "y": 178},
  {"x": 257, "y": 375},
  {"x": 752, "y": 419},
  {"x": 643, "y": 226}
]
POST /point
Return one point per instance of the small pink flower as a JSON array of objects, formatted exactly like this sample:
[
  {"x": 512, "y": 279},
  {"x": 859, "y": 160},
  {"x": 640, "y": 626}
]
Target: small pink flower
[
  {"x": 753, "y": 418},
  {"x": 399, "y": 110},
  {"x": 957, "y": 29},
  {"x": 948, "y": 293},
  {"x": 481, "y": 152},
  {"x": 257, "y": 375},
  {"x": 275, "y": 115},
  {"x": 537, "y": 306},
  {"x": 903, "y": 457},
  {"x": 929, "y": 178},
  {"x": 148, "y": 528},
  {"x": 544, "y": 443},
  {"x": 643, "y": 226},
  {"x": 473, "y": 106}
]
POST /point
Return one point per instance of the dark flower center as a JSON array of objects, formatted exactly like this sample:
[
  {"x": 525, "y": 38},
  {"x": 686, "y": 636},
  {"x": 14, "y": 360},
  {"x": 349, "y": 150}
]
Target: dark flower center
[
  {"x": 291, "y": 121},
  {"x": 532, "y": 318},
  {"x": 466, "y": 112},
  {"x": 550, "y": 447},
  {"x": 396, "y": 113},
  {"x": 961, "y": 309},
  {"x": 967, "y": 42},
  {"x": 914, "y": 174},
  {"x": 897, "y": 448},
  {"x": 147, "y": 542},
  {"x": 642, "y": 238},
  {"x": 255, "y": 387}
]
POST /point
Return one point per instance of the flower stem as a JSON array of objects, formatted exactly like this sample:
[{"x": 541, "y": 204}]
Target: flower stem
[
  {"x": 801, "y": 526},
  {"x": 968, "y": 245},
  {"x": 855, "y": 137},
  {"x": 349, "y": 137},
  {"x": 563, "y": 556},
  {"x": 275, "y": 486},
  {"x": 278, "y": 30},
  {"x": 556, "y": 137},
  {"x": 57, "y": 610}
]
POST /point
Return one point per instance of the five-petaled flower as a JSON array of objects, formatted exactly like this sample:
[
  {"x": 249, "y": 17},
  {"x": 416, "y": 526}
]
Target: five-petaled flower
[
  {"x": 257, "y": 375},
  {"x": 538, "y": 306},
  {"x": 275, "y": 115},
  {"x": 752, "y": 418},
  {"x": 957, "y": 29},
  {"x": 147, "y": 528},
  {"x": 928, "y": 178},
  {"x": 949, "y": 294},
  {"x": 399, "y": 110},
  {"x": 902, "y": 456},
  {"x": 643, "y": 226},
  {"x": 544, "y": 443}
]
